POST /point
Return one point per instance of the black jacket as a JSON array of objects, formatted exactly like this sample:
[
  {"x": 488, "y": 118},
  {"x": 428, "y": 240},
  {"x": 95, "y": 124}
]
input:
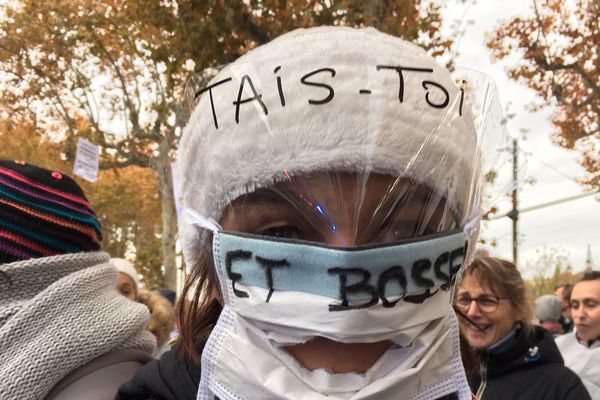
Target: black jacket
[
  {"x": 170, "y": 378},
  {"x": 528, "y": 369}
]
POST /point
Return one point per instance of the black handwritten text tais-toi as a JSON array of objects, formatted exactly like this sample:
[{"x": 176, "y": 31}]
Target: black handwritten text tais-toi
[{"x": 323, "y": 82}]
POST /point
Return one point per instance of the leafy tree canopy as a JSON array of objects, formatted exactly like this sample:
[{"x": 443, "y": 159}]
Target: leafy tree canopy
[
  {"x": 560, "y": 44},
  {"x": 125, "y": 200},
  {"x": 113, "y": 72}
]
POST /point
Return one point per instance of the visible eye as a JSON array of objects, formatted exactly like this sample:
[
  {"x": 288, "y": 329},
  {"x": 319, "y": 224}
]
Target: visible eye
[
  {"x": 486, "y": 301},
  {"x": 463, "y": 301},
  {"x": 574, "y": 305},
  {"x": 404, "y": 230},
  {"x": 284, "y": 231},
  {"x": 590, "y": 303}
]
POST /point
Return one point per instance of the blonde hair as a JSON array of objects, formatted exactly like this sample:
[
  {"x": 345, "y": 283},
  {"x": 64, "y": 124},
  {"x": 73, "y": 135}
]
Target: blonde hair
[{"x": 504, "y": 279}]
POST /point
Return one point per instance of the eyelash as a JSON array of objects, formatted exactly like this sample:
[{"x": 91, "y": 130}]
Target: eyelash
[
  {"x": 285, "y": 231},
  {"x": 576, "y": 305},
  {"x": 407, "y": 229}
]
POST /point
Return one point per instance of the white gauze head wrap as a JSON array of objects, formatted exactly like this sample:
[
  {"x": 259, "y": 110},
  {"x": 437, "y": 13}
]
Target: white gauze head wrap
[{"x": 218, "y": 164}]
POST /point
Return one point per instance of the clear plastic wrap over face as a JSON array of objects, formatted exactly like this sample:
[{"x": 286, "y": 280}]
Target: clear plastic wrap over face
[
  {"x": 342, "y": 209},
  {"x": 341, "y": 183},
  {"x": 358, "y": 151}
]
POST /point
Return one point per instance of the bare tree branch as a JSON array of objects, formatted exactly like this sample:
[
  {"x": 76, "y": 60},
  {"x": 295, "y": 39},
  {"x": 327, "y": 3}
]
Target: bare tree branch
[{"x": 132, "y": 115}]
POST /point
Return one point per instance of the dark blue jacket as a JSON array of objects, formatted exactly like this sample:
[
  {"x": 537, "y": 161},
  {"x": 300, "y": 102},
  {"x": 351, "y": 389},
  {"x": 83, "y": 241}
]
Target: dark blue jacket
[{"x": 527, "y": 368}]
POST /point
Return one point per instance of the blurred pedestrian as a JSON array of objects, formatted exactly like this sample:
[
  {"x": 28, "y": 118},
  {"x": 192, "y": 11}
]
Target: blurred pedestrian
[
  {"x": 563, "y": 292},
  {"x": 162, "y": 318},
  {"x": 581, "y": 348},
  {"x": 169, "y": 295},
  {"x": 65, "y": 332},
  {"x": 548, "y": 311},
  {"x": 127, "y": 280},
  {"x": 518, "y": 360},
  {"x": 162, "y": 313}
]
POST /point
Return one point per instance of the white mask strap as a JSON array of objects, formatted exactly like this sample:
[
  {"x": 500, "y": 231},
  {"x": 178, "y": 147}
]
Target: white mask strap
[{"x": 192, "y": 217}]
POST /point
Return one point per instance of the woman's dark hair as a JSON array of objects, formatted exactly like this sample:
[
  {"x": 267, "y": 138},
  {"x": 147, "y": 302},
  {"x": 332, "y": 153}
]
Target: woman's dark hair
[
  {"x": 467, "y": 353},
  {"x": 199, "y": 307}
]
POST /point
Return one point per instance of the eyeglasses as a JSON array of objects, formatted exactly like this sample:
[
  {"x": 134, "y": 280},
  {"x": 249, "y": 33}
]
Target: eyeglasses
[{"x": 486, "y": 302}]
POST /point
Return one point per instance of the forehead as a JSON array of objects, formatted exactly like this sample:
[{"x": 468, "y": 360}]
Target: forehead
[
  {"x": 341, "y": 190},
  {"x": 474, "y": 285},
  {"x": 586, "y": 289},
  {"x": 124, "y": 279}
]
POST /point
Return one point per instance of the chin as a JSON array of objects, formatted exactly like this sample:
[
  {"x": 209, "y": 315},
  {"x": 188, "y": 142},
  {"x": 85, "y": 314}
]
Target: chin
[
  {"x": 337, "y": 357},
  {"x": 480, "y": 344},
  {"x": 585, "y": 334},
  {"x": 477, "y": 339}
]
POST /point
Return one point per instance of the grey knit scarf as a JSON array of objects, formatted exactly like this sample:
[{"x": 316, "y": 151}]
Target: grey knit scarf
[{"x": 57, "y": 314}]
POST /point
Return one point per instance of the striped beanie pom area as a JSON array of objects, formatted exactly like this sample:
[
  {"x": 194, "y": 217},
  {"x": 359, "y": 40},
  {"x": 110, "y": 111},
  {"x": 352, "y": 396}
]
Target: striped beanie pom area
[{"x": 43, "y": 213}]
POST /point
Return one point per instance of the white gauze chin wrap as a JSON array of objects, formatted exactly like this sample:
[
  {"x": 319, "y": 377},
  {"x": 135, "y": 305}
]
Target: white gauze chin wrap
[{"x": 352, "y": 132}]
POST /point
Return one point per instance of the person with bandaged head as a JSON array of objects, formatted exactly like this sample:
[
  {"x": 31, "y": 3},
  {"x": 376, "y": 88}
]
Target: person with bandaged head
[
  {"x": 65, "y": 332},
  {"x": 331, "y": 182}
]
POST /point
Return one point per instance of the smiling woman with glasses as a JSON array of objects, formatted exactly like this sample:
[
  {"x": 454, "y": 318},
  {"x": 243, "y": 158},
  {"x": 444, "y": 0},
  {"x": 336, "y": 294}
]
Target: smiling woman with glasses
[{"x": 517, "y": 360}]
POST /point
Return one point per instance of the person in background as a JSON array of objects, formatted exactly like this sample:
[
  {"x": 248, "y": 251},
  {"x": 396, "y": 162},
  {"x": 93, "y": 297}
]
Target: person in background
[
  {"x": 127, "y": 280},
  {"x": 162, "y": 314},
  {"x": 548, "y": 312},
  {"x": 581, "y": 348},
  {"x": 65, "y": 332},
  {"x": 518, "y": 360},
  {"x": 563, "y": 292},
  {"x": 169, "y": 295},
  {"x": 162, "y": 318}
]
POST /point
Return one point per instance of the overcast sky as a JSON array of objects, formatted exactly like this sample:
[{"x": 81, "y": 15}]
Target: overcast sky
[{"x": 568, "y": 227}]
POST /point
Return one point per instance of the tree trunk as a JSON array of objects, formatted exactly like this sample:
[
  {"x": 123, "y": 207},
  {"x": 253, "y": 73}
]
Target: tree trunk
[{"x": 169, "y": 216}]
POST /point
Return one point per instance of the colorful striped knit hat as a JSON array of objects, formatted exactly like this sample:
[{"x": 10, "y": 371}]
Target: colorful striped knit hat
[{"x": 43, "y": 213}]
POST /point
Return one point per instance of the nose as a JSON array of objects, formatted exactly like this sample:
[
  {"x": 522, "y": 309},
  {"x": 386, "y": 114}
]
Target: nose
[
  {"x": 473, "y": 309},
  {"x": 341, "y": 237},
  {"x": 578, "y": 314},
  {"x": 342, "y": 241}
]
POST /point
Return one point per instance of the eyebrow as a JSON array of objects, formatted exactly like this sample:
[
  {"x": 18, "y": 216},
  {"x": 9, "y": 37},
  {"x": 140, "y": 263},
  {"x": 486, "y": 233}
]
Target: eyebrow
[
  {"x": 585, "y": 299},
  {"x": 260, "y": 199}
]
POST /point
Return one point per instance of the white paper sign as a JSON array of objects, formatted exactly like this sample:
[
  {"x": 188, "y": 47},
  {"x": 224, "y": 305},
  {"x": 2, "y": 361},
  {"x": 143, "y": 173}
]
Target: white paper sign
[{"x": 87, "y": 160}]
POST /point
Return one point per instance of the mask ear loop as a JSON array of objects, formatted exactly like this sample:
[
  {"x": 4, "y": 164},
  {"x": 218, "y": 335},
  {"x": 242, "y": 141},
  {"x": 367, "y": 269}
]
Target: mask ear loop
[{"x": 193, "y": 218}]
